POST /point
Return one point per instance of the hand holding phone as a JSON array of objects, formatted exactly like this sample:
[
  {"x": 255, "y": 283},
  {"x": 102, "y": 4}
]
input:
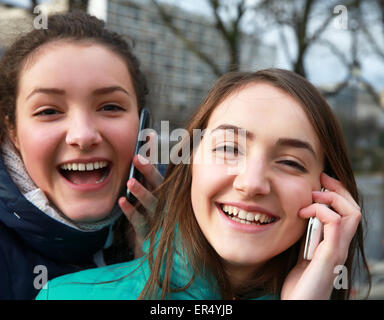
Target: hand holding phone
[
  {"x": 314, "y": 235},
  {"x": 144, "y": 123}
]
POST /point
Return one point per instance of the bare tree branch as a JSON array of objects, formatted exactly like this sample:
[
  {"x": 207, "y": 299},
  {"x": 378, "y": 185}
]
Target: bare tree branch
[
  {"x": 229, "y": 30},
  {"x": 336, "y": 51},
  {"x": 168, "y": 21},
  {"x": 371, "y": 90},
  {"x": 298, "y": 19},
  {"x": 215, "y": 6},
  {"x": 231, "y": 34},
  {"x": 372, "y": 41},
  {"x": 339, "y": 87},
  {"x": 284, "y": 42},
  {"x": 316, "y": 35}
]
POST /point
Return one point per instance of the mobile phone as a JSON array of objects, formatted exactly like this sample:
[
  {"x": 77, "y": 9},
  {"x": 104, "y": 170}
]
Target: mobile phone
[
  {"x": 144, "y": 123},
  {"x": 314, "y": 235}
]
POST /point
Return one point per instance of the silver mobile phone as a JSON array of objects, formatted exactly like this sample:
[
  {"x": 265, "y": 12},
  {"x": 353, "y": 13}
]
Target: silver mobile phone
[
  {"x": 314, "y": 235},
  {"x": 144, "y": 123}
]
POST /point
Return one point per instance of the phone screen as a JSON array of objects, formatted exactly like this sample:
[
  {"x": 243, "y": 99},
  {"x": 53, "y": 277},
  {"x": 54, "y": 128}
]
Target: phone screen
[{"x": 144, "y": 123}]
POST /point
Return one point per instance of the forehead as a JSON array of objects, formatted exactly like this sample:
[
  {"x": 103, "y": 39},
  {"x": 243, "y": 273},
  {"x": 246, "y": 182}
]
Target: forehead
[
  {"x": 266, "y": 111},
  {"x": 254, "y": 98},
  {"x": 69, "y": 63}
]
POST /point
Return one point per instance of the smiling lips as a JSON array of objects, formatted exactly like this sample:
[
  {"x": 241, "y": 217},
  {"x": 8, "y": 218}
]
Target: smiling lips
[
  {"x": 85, "y": 173},
  {"x": 246, "y": 217}
]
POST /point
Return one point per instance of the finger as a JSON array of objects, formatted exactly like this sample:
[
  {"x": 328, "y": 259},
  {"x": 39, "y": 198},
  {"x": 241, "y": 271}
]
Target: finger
[
  {"x": 137, "y": 220},
  {"x": 330, "y": 219},
  {"x": 151, "y": 174},
  {"x": 331, "y": 222},
  {"x": 351, "y": 216},
  {"x": 322, "y": 212},
  {"x": 144, "y": 196},
  {"x": 335, "y": 185},
  {"x": 341, "y": 205}
]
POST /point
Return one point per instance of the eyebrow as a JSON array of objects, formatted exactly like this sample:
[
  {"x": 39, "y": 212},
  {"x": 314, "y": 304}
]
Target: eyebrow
[
  {"x": 46, "y": 91},
  {"x": 236, "y": 129},
  {"x": 285, "y": 142},
  {"x": 296, "y": 143},
  {"x": 99, "y": 91},
  {"x": 111, "y": 89}
]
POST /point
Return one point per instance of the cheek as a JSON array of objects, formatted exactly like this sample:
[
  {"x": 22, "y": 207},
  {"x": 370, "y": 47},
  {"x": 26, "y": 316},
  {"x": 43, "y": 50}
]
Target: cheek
[
  {"x": 122, "y": 137},
  {"x": 38, "y": 147},
  {"x": 208, "y": 176},
  {"x": 293, "y": 196},
  {"x": 208, "y": 183}
]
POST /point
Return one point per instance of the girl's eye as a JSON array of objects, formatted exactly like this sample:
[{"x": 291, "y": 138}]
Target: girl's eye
[
  {"x": 293, "y": 164},
  {"x": 111, "y": 108},
  {"x": 227, "y": 149},
  {"x": 47, "y": 112},
  {"x": 227, "y": 152}
]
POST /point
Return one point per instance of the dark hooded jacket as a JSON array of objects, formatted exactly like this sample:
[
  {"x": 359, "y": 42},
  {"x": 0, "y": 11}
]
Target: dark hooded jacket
[{"x": 34, "y": 247}]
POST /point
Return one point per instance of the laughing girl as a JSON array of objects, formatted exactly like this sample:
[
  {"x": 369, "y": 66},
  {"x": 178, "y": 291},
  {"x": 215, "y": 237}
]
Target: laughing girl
[
  {"x": 70, "y": 98},
  {"x": 232, "y": 223}
]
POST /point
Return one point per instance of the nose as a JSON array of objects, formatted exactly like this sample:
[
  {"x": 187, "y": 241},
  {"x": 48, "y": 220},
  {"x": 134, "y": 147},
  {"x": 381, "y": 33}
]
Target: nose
[
  {"x": 253, "y": 180},
  {"x": 82, "y": 132}
]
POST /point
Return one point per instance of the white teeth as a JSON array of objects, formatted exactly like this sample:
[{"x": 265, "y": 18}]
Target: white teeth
[
  {"x": 84, "y": 166},
  {"x": 246, "y": 217},
  {"x": 250, "y": 216},
  {"x": 242, "y": 214}
]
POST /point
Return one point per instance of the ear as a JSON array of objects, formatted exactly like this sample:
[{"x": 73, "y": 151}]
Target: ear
[{"x": 12, "y": 134}]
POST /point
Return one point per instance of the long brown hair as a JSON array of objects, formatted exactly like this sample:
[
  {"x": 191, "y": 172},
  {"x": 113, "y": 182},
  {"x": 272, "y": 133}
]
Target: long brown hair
[{"x": 175, "y": 217}]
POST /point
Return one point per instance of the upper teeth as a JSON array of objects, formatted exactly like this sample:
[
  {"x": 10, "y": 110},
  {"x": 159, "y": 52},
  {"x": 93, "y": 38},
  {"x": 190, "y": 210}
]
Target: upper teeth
[
  {"x": 249, "y": 216},
  {"x": 84, "y": 166}
]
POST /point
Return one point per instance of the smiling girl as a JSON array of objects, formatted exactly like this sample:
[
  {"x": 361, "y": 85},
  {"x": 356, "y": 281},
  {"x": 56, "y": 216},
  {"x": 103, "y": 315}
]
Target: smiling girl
[
  {"x": 225, "y": 232},
  {"x": 70, "y": 98}
]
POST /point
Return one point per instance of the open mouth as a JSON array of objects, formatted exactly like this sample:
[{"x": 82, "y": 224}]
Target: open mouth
[
  {"x": 246, "y": 217},
  {"x": 87, "y": 173}
]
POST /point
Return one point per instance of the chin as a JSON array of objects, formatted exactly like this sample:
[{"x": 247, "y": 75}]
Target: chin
[
  {"x": 88, "y": 213},
  {"x": 243, "y": 257}
]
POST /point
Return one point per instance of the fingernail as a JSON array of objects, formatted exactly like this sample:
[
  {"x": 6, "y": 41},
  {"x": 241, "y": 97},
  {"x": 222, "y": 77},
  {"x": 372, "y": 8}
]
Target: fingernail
[
  {"x": 132, "y": 184},
  {"x": 142, "y": 160},
  {"x": 302, "y": 210}
]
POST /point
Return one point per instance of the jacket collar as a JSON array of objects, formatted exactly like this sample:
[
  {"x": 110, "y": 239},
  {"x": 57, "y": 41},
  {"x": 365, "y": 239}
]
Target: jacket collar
[{"x": 42, "y": 233}]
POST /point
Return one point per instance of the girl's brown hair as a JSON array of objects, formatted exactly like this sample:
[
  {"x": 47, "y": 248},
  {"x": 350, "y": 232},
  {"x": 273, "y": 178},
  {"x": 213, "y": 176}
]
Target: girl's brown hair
[
  {"x": 75, "y": 26},
  {"x": 175, "y": 220}
]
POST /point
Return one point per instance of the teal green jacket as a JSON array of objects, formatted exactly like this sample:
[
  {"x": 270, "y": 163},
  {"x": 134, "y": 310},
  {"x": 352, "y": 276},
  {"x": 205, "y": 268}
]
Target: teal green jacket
[{"x": 125, "y": 281}]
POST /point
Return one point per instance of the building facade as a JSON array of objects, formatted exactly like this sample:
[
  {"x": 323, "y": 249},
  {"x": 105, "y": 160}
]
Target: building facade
[{"x": 177, "y": 78}]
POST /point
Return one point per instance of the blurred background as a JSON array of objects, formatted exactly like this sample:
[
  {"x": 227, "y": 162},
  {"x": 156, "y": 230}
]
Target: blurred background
[{"x": 184, "y": 46}]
